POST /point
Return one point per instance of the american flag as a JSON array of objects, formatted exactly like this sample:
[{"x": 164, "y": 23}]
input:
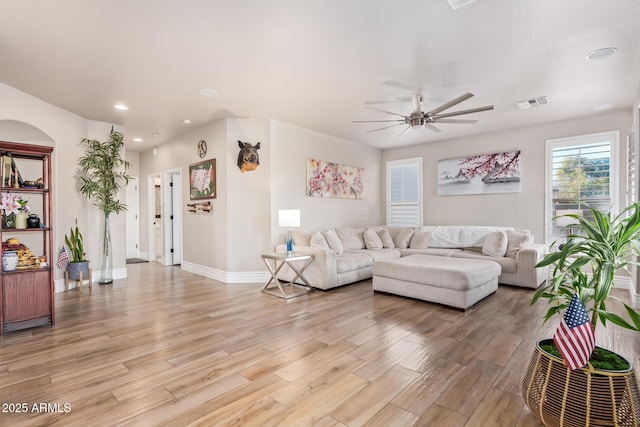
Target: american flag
[
  {"x": 574, "y": 337},
  {"x": 63, "y": 258}
]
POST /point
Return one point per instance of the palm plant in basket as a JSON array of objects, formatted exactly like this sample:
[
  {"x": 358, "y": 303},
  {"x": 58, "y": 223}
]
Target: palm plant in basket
[{"x": 563, "y": 393}]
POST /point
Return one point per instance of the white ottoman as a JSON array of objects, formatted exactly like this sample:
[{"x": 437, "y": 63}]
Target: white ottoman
[{"x": 455, "y": 282}]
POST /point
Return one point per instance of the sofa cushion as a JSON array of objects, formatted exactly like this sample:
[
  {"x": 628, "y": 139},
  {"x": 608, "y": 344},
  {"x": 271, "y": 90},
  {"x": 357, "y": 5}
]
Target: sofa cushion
[
  {"x": 351, "y": 238},
  {"x": 302, "y": 238},
  {"x": 383, "y": 254},
  {"x": 372, "y": 240},
  {"x": 385, "y": 237},
  {"x": 333, "y": 241},
  {"x": 352, "y": 260},
  {"x": 495, "y": 244},
  {"x": 420, "y": 240},
  {"x": 508, "y": 265},
  {"x": 429, "y": 251},
  {"x": 518, "y": 239},
  {"x": 459, "y": 236},
  {"x": 318, "y": 241},
  {"x": 401, "y": 237}
]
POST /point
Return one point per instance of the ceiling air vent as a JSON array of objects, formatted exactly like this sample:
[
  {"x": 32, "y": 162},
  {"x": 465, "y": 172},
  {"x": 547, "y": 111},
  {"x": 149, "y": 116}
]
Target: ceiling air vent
[
  {"x": 533, "y": 102},
  {"x": 457, "y": 4}
]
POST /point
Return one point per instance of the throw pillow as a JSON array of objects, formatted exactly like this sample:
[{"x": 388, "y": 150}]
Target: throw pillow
[
  {"x": 495, "y": 244},
  {"x": 385, "y": 237},
  {"x": 518, "y": 239},
  {"x": 351, "y": 238},
  {"x": 403, "y": 238},
  {"x": 318, "y": 240},
  {"x": 372, "y": 240},
  {"x": 420, "y": 240},
  {"x": 301, "y": 238},
  {"x": 333, "y": 241}
]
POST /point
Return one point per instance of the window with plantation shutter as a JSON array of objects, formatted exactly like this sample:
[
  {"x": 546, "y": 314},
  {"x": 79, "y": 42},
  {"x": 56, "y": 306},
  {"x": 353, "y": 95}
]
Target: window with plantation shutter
[
  {"x": 404, "y": 192},
  {"x": 581, "y": 173},
  {"x": 632, "y": 168}
]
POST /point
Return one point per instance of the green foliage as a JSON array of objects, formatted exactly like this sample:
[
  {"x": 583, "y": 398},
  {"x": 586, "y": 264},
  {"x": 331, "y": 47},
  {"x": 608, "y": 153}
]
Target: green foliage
[
  {"x": 606, "y": 245},
  {"x": 600, "y": 358},
  {"x": 75, "y": 243},
  {"x": 104, "y": 172}
]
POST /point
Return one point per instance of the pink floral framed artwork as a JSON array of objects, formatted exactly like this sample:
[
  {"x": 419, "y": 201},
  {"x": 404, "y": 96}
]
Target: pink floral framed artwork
[
  {"x": 480, "y": 174},
  {"x": 327, "y": 179}
]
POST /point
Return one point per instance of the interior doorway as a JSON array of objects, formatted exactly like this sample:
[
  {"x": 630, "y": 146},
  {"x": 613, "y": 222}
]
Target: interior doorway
[
  {"x": 154, "y": 199},
  {"x": 132, "y": 224},
  {"x": 172, "y": 217}
]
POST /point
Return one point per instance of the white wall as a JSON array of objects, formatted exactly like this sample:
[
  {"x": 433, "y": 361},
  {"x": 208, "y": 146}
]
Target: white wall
[
  {"x": 64, "y": 131},
  {"x": 291, "y": 147},
  {"x": 227, "y": 244},
  {"x": 520, "y": 210}
]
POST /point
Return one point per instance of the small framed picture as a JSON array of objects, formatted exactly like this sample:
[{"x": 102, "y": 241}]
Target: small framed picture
[{"x": 202, "y": 180}]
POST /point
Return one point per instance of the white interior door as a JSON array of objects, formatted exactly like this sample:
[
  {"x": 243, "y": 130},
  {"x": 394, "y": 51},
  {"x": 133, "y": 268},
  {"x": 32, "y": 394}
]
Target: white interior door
[
  {"x": 132, "y": 225},
  {"x": 172, "y": 221}
]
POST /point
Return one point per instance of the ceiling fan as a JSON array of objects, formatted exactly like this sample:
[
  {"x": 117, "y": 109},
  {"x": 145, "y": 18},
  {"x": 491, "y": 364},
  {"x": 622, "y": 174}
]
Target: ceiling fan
[{"x": 420, "y": 118}]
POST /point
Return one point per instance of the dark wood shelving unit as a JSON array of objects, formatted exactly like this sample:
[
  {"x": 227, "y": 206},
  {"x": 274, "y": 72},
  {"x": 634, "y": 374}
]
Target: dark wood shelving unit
[{"x": 27, "y": 294}]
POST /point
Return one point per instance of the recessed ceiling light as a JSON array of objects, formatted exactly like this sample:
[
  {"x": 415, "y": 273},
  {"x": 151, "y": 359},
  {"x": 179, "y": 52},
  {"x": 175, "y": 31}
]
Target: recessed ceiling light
[
  {"x": 186, "y": 122},
  {"x": 155, "y": 134},
  {"x": 601, "y": 53},
  {"x": 209, "y": 93},
  {"x": 602, "y": 107},
  {"x": 121, "y": 107},
  {"x": 137, "y": 139}
]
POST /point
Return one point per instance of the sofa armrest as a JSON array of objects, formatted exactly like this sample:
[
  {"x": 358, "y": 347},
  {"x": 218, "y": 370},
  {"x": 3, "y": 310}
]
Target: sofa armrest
[
  {"x": 526, "y": 260},
  {"x": 322, "y": 273}
]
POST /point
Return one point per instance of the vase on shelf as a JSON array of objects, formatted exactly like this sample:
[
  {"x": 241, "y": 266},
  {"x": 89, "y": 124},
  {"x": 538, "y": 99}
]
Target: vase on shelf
[
  {"x": 21, "y": 220},
  {"x": 9, "y": 221},
  {"x": 9, "y": 260}
]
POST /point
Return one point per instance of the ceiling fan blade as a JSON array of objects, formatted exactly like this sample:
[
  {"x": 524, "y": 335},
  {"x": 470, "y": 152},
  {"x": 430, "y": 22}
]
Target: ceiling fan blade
[
  {"x": 432, "y": 128},
  {"x": 388, "y": 112},
  {"x": 377, "y": 121},
  {"x": 459, "y": 113},
  {"x": 454, "y": 121},
  {"x": 405, "y": 131},
  {"x": 451, "y": 103},
  {"x": 386, "y": 127}
]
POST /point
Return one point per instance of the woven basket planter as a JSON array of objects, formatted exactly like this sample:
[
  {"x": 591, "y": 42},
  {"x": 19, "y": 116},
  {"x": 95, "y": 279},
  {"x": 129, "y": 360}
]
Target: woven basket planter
[{"x": 582, "y": 397}]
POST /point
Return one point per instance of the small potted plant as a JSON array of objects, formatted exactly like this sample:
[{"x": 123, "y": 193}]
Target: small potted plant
[
  {"x": 77, "y": 263},
  {"x": 570, "y": 381}
]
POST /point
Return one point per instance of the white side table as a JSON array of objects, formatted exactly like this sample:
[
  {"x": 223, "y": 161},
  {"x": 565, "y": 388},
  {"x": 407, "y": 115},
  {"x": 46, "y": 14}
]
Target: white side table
[{"x": 280, "y": 260}]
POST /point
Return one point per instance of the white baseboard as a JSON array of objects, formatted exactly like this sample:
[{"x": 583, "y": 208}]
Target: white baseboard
[
  {"x": 118, "y": 273},
  {"x": 145, "y": 255},
  {"x": 226, "y": 276}
]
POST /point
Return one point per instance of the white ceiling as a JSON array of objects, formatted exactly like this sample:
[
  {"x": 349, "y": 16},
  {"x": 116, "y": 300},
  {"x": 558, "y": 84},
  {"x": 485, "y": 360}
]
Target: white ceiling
[{"x": 316, "y": 63}]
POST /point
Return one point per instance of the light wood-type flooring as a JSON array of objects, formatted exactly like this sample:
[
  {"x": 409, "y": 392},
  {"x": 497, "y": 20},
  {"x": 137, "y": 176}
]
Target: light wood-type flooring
[{"x": 166, "y": 347}]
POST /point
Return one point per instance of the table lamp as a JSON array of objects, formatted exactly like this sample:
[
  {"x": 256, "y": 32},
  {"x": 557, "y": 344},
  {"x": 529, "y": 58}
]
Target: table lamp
[{"x": 289, "y": 218}]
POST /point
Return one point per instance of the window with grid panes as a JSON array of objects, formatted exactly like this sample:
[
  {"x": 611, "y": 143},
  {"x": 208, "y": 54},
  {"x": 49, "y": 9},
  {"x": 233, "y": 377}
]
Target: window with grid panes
[{"x": 404, "y": 192}]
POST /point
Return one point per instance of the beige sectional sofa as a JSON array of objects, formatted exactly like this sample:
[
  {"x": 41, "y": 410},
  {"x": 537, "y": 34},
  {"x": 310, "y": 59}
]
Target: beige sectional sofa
[{"x": 347, "y": 255}]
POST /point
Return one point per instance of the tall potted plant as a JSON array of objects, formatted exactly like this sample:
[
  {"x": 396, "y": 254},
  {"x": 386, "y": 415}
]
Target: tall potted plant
[
  {"x": 77, "y": 264},
  {"x": 583, "y": 273},
  {"x": 104, "y": 173}
]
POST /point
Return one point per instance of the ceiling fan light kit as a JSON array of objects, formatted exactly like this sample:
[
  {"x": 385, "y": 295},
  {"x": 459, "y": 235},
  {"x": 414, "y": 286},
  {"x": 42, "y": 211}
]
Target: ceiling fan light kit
[{"x": 418, "y": 118}]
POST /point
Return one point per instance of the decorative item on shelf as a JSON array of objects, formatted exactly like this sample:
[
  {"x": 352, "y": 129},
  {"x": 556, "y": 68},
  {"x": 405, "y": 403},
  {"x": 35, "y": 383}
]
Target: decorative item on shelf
[
  {"x": 289, "y": 218},
  {"x": 104, "y": 173},
  {"x": 9, "y": 260},
  {"x": 33, "y": 221},
  {"x": 578, "y": 386},
  {"x": 12, "y": 206},
  {"x": 199, "y": 207}
]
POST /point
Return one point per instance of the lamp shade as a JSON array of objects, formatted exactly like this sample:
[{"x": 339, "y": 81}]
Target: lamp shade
[
  {"x": 289, "y": 217},
  {"x": 566, "y": 221}
]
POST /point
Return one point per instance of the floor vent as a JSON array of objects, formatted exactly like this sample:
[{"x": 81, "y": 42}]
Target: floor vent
[{"x": 533, "y": 102}]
